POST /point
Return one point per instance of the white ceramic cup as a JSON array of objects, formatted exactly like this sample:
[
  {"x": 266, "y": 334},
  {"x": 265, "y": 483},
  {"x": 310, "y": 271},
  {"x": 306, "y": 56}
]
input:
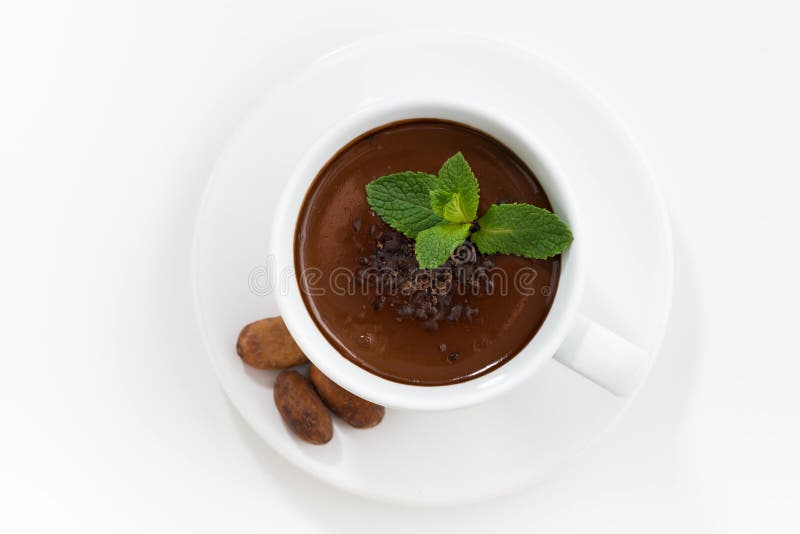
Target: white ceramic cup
[{"x": 583, "y": 345}]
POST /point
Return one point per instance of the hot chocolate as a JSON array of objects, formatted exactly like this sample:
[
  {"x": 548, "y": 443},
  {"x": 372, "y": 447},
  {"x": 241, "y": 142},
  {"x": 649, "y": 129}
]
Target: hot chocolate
[{"x": 361, "y": 283}]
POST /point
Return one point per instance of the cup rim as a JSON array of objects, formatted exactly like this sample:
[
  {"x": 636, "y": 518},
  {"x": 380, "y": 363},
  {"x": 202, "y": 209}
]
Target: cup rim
[{"x": 407, "y": 396}]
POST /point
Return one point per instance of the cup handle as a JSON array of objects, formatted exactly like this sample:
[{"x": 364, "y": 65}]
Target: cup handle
[{"x": 607, "y": 359}]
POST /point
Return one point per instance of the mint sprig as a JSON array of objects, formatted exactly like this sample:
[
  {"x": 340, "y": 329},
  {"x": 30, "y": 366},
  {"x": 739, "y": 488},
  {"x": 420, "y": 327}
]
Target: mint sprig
[{"x": 439, "y": 211}]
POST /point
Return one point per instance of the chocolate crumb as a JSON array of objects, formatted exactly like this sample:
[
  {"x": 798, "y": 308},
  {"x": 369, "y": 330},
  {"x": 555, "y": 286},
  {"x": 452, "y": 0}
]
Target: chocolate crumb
[
  {"x": 453, "y": 356},
  {"x": 455, "y": 313},
  {"x": 470, "y": 312},
  {"x": 429, "y": 296}
]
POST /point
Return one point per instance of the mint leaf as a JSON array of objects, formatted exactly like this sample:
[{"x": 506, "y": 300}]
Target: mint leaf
[
  {"x": 523, "y": 230},
  {"x": 449, "y": 206},
  {"x": 403, "y": 201},
  {"x": 435, "y": 244},
  {"x": 457, "y": 193}
]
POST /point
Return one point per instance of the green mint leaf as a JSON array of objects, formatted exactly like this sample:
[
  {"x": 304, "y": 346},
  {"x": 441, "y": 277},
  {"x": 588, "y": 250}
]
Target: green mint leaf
[
  {"x": 435, "y": 244},
  {"x": 523, "y": 230},
  {"x": 449, "y": 206},
  {"x": 457, "y": 193},
  {"x": 403, "y": 201}
]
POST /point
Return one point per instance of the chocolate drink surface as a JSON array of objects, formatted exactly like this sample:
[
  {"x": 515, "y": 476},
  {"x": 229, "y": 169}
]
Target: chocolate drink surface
[{"x": 359, "y": 280}]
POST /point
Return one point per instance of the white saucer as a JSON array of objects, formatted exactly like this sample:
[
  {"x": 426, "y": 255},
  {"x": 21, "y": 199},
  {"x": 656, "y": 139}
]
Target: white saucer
[{"x": 513, "y": 441}]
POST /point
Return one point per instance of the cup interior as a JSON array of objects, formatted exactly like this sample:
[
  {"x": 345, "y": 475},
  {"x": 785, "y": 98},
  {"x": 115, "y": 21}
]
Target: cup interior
[{"x": 380, "y": 390}]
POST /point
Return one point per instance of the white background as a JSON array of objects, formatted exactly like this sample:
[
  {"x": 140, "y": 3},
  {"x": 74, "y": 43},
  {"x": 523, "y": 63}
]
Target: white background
[{"x": 111, "y": 115}]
